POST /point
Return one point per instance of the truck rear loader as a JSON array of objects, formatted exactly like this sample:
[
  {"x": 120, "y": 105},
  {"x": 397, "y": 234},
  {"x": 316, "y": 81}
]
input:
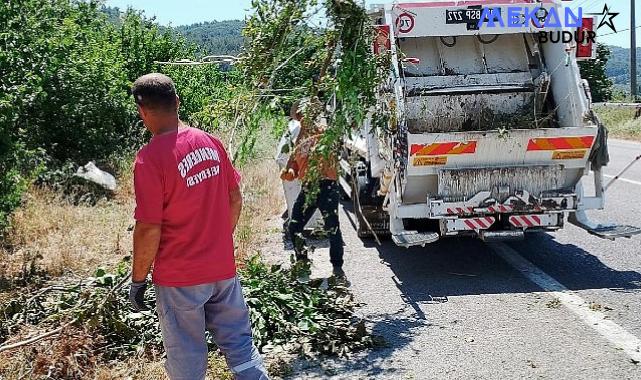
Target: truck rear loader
[{"x": 492, "y": 131}]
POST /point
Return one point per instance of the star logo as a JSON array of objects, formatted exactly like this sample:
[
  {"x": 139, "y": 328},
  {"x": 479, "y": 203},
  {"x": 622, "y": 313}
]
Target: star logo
[{"x": 607, "y": 18}]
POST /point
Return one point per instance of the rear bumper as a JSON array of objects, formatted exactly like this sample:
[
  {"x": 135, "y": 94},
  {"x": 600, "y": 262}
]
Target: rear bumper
[
  {"x": 482, "y": 214},
  {"x": 521, "y": 202},
  {"x": 483, "y": 205}
]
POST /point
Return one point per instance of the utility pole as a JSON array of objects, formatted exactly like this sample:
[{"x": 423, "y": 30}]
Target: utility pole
[{"x": 633, "y": 51}]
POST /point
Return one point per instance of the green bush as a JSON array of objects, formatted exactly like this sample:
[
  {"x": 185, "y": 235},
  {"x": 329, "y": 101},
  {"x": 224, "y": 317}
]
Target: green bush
[
  {"x": 65, "y": 74},
  {"x": 198, "y": 87}
]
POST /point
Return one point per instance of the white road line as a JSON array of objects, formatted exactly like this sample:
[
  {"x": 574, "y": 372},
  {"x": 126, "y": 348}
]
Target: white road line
[
  {"x": 617, "y": 335},
  {"x": 624, "y": 180}
]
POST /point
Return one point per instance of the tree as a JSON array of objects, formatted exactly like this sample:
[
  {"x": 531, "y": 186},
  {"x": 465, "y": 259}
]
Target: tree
[
  {"x": 65, "y": 73},
  {"x": 287, "y": 58},
  {"x": 594, "y": 73}
]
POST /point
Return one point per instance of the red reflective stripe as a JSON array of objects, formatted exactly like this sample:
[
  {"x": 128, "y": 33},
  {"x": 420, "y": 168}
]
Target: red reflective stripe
[
  {"x": 532, "y": 145},
  {"x": 537, "y": 219},
  {"x": 527, "y": 221},
  {"x": 588, "y": 141},
  {"x": 470, "y": 225},
  {"x": 481, "y": 223},
  {"x": 489, "y": 221},
  {"x": 560, "y": 143},
  {"x": 515, "y": 221},
  {"x": 470, "y": 148},
  {"x": 442, "y": 149}
]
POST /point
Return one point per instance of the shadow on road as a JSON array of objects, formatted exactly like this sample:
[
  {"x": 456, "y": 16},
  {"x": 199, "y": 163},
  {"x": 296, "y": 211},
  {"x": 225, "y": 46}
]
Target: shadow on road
[
  {"x": 466, "y": 266},
  {"x": 574, "y": 267},
  {"x": 463, "y": 267}
]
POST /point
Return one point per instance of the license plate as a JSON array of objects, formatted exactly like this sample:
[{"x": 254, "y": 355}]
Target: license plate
[{"x": 463, "y": 16}]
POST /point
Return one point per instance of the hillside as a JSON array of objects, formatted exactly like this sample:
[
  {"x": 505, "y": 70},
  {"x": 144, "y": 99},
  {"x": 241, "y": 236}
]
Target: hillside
[
  {"x": 216, "y": 37},
  {"x": 618, "y": 67}
]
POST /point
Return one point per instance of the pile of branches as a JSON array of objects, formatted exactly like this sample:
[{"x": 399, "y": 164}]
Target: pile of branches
[
  {"x": 97, "y": 303},
  {"x": 305, "y": 318},
  {"x": 309, "y": 318}
]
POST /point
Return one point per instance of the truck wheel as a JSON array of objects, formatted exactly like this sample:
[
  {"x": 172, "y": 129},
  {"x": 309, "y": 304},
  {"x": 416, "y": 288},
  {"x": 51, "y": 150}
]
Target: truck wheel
[{"x": 361, "y": 226}]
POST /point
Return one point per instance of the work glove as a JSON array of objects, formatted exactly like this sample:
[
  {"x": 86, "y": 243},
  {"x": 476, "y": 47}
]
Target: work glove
[
  {"x": 137, "y": 295},
  {"x": 287, "y": 175}
]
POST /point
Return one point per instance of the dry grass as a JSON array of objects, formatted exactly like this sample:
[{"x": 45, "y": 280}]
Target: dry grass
[
  {"x": 58, "y": 359},
  {"x": 621, "y": 122},
  {"x": 262, "y": 193},
  {"x": 63, "y": 238},
  {"x": 144, "y": 369}
]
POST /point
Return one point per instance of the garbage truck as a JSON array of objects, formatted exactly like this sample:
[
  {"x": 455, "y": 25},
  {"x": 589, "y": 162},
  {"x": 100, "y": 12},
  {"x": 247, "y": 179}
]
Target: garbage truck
[{"x": 492, "y": 131}]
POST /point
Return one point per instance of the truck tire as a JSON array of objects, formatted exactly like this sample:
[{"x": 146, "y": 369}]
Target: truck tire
[{"x": 361, "y": 226}]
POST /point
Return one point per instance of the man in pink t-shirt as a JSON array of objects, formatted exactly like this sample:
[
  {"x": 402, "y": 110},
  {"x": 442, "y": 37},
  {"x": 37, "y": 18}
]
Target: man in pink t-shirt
[{"x": 188, "y": 202}]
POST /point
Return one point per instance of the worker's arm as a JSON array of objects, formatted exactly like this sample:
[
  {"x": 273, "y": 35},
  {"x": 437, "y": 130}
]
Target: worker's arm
[
  {"x": 236, "y": 205},
  {"x": 146, "y": 242}
]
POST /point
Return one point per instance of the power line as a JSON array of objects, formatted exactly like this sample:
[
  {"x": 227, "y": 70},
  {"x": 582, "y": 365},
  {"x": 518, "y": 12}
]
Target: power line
[{"x": 618, "y": 31}]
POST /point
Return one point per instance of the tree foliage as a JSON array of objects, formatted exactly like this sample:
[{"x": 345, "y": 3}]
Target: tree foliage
[
  {"x": 595, "y": 73},
  {"x": 332, "y": 67},
  {"x": 618, "y": 66},
  {"x": 65, "y": 73}
]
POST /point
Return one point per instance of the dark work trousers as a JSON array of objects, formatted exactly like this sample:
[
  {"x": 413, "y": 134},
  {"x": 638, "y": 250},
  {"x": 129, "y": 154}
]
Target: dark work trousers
[{"x": 327, "y": 203}]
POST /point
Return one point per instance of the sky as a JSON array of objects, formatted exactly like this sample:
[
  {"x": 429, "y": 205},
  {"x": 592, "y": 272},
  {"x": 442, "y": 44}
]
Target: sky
[{"x": 184, "y": 12}]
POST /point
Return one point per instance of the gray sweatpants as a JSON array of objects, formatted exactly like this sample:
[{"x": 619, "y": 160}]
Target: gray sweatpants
[{"x": 185, "y": 313}]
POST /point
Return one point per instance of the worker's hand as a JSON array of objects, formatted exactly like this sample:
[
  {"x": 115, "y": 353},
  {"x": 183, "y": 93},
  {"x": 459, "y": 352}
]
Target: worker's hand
[
  {"x": 287, "y": 174},
  {"x": 137, "y": 295}
]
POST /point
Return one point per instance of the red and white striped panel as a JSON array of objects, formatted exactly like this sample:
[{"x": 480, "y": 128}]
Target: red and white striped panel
[
  {"x": 499, "y": 209},
  {"x": 460, "y": 210},
  {"x": 470, "y": 224},
  {"x": 530, "y": 221}
]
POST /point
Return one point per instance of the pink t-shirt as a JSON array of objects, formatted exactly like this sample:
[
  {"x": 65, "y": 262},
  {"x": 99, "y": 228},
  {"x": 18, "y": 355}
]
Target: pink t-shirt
[{"x": 182, "y": 181}]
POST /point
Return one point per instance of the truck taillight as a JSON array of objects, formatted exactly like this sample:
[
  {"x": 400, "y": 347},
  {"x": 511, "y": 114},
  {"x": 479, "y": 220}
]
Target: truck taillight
[{"x": 586, "y": 49}]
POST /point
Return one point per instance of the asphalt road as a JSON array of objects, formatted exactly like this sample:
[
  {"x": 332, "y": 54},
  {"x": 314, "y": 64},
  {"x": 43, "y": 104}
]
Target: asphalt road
[{"x": 458, "y": 309}]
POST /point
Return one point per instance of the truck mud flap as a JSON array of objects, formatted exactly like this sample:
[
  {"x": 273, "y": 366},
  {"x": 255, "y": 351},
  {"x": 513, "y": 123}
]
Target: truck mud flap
[
  {"x": 414, "y": 238},
  {"x": 604, "y": 231}
]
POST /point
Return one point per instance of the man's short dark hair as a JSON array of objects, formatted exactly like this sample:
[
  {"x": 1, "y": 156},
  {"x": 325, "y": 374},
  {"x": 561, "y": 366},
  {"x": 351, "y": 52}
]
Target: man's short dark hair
[{"x": 155, "y": 91}]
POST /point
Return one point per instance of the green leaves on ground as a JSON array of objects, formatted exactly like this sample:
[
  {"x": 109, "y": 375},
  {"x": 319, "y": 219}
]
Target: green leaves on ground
[
  {"x": 285, "y": 314},
  {"x": 302, "y": 316}
]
